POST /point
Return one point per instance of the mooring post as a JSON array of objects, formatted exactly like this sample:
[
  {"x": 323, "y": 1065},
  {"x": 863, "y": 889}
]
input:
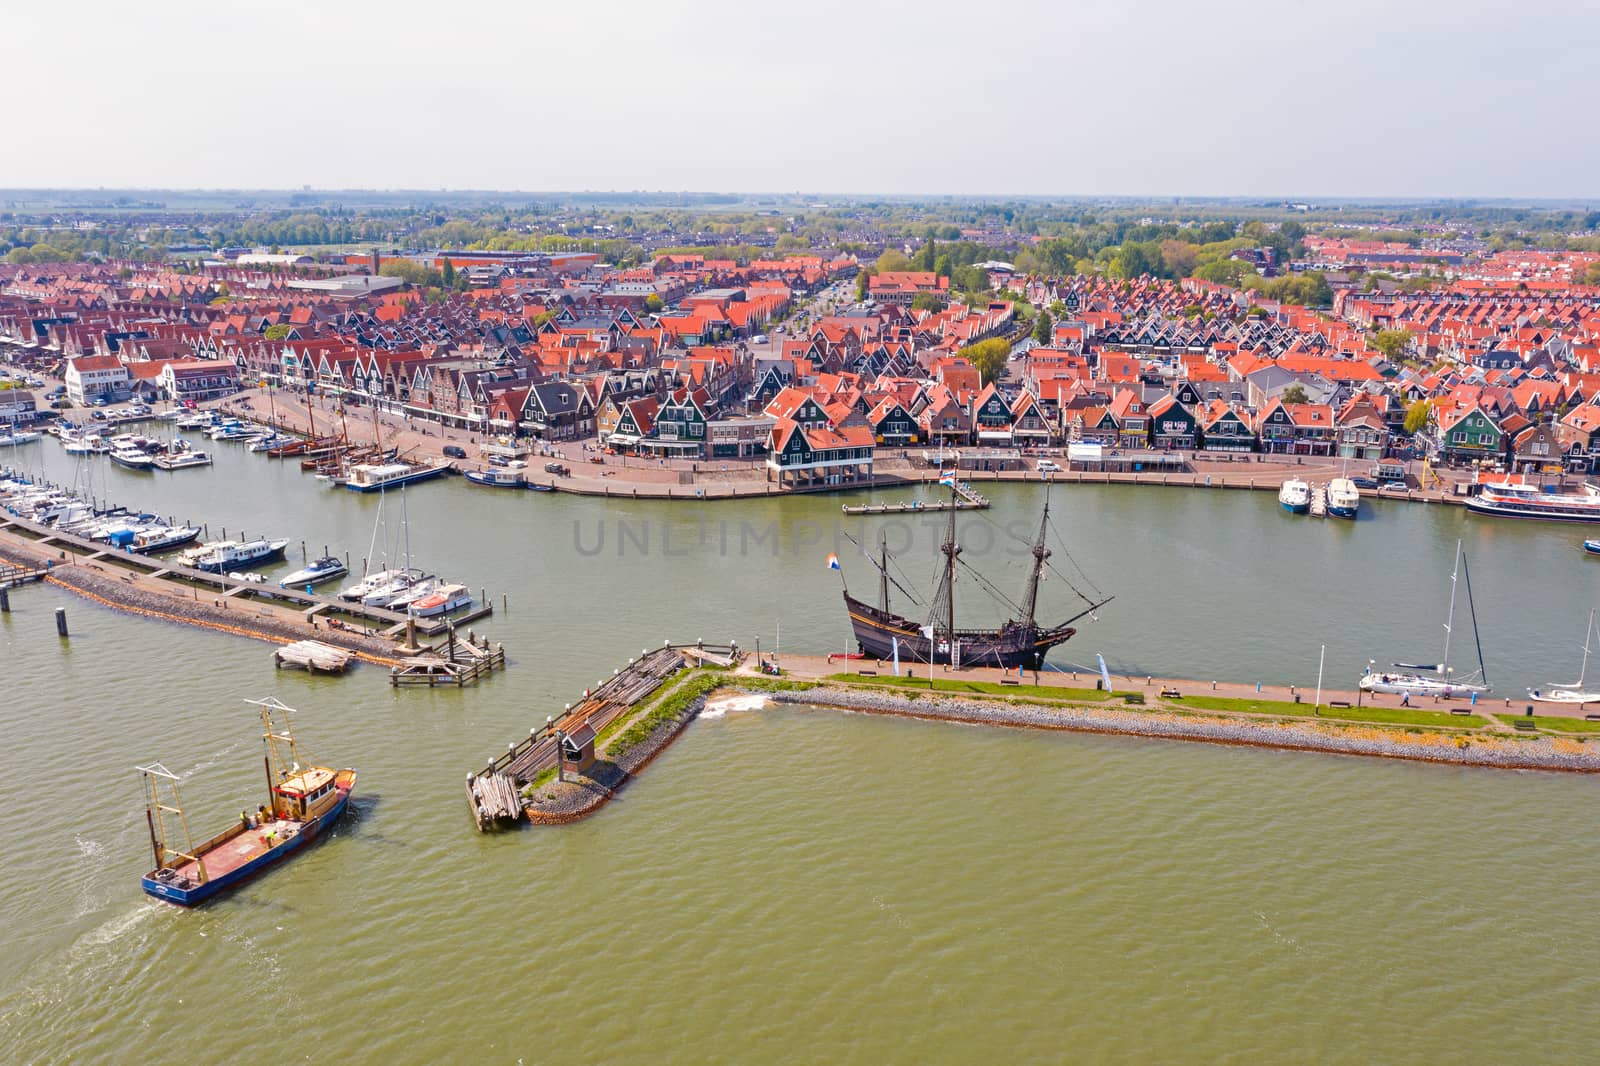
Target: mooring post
[
  {"x": 5, "y": 601},
  {"x": 61, "y": 622}
]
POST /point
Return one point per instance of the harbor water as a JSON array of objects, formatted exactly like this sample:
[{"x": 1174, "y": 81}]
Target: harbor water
[{"x": 802, "y": 885}]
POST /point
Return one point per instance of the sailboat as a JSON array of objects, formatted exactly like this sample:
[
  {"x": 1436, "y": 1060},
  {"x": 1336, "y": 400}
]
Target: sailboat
[
  {"x": 1573, "y": 693},
  {"x": 1431, "y": 679},
  {"x": 1022, "y": 641}
]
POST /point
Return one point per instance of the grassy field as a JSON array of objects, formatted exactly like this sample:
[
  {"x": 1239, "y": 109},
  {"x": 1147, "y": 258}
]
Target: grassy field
[
  {"x": 983, "y": 688},
  {"x": 1553, "y": 723}
]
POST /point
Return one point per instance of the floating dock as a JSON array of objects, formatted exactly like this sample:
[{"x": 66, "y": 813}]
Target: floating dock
[
  {"x": 1319, "y": 501},
  {"x": 967, "y": 499},
  {"x": 313, "y": 656}
]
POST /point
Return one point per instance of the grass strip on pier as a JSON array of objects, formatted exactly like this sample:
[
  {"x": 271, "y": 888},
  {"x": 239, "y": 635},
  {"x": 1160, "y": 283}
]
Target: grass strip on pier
[
  {"x": 1377, "y": 715},
  {"x": 1552, "y": 723},
  {"x": 982, "y": 688},
  {"x": 666, "y": 707}
]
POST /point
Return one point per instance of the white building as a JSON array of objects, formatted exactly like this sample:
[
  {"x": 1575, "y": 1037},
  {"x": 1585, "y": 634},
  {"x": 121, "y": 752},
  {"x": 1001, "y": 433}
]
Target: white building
[{"x": 94, "y": 377}]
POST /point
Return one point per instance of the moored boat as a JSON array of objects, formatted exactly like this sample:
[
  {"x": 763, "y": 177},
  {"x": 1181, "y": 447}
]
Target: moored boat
[
  {"x": 1344, "y": 499},
  {"x": 1517, "y": 499},
  {"x": 132, "y": 457},
  {"x": 239, "y": 555},
  {"x": 1295, "y": 496},
  {"x": 1592, "y": 547},
  {"x": 163, "y": 538},
  {"x": 1574, "y": 694},
  {"x": 303, "y": 801},
  {"x": 1435, "y": 679},
  {"x": 18, "y": 436},
  {"x": 442, "y": 600},
  {"x": 375, "y": 477},
  {"x": 328, "y": 568},
  {"x": 497, "y": 478}
]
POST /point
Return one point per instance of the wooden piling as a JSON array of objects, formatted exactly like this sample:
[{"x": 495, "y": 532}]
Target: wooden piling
[{"x": 61, "y": 622}]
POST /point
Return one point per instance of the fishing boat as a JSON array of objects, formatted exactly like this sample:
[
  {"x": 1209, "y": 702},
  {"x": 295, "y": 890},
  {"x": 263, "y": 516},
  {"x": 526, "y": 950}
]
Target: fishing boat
[
  {"x": 163, "y": 538},
  {"x": 497, "y": 478},
  {"x": 132, "y": 457},
  {"x": 1574, "y": 693},
  {"x": 442, "y": 600},
  {"x": 1517, "y": 499},
  {"x": 377, "y": 477},
  {"x": 1344, "y": 499},
  {"x": 303, "y": 801},
  {"x": 1435, "y": 679},
  {"x": 1295, "y": 496},
  {"x": 238, "y": 555},
  {"x": 1021, "y": 641},
  {"x": 328, "y": 568}
]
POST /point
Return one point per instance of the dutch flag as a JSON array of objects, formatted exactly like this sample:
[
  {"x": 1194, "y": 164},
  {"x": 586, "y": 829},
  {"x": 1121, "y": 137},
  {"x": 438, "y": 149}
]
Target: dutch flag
[{"x": 948, "y": 478}]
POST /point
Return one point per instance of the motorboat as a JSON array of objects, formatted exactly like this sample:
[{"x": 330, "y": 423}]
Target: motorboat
[
  {"x": 442, "y": 600},
  {"x": 422, "y": 588},
  {"x": 497, "y": 478},
  {"x": 182, "y": 459},
  {"x": 241, "y": 554},
  {"x": 381, "y": 595},
  {"x": 270, "y": 441},
  {"x": 1295, "y": 496},
  {"x": 328, "y": 568},
  {"x": 18, "y": 436},
  {"x": 154, "y": 539},
  {"x": 377, "y": 477},
  {"x": 133, "y": 457},
  {"x": 1344, "y": 499}
]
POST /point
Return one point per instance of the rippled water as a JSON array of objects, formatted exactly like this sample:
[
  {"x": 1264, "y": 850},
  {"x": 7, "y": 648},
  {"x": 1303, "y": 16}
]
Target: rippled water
[{"x": 798, "y": 885}]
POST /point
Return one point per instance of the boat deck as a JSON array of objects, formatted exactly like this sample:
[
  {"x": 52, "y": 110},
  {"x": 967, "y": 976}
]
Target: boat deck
[{"x": 240, "y": 849}]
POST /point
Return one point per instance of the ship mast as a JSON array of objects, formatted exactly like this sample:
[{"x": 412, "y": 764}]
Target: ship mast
[
  {"x": 883, "y": 576},
  {"x": 944, "y": 598},
  {"x": 1041, "y": 553}
]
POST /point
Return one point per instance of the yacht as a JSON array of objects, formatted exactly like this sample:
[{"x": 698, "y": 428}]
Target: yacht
[
  {"x": 328, "y": 568},
  {"x": 1344, "y": 499},
  {"x": 1295, "y": 496},
  {"x": 18, "y": 436},
  {"x": 134, "y": 458},
  {"x": 238, "y": 555},
  {"x": 358, "y": 591},
  {"x": 1436, "y": 679},
  {"x": 182, "y": 459},
  {"x": 155, "y": 539},
  {"x": 1574, "y": 693},
  {"x": 442, "y": 600}
]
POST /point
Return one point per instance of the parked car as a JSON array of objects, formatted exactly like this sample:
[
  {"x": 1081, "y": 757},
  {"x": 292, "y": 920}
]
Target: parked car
[
  {"x": 99, "y": 416},
  {"x": 455, "y": 451},
  {"x": 1048, "y": 467},
  {"x": 99, "y": 401},
  {"x": 59, "y": 390},
  {"x": 1395, "y": 486},
  {"x": 557, "y": 468},
  {"x": 1364, "y": 482}
]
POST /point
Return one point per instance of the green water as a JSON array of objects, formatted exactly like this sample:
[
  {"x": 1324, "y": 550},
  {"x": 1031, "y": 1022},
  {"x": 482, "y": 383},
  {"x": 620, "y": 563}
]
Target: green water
[{"x": 797, "y": 885}]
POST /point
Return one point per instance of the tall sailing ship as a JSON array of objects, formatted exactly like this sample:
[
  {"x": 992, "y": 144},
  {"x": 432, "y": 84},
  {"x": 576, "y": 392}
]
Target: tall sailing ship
[{"x": 1020, "y": 641}]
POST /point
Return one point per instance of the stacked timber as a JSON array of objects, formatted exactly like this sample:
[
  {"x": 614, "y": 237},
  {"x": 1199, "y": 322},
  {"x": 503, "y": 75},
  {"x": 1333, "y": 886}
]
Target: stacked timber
[
  {"x": 494, "y": 798},
  {"x": 313, "y": 655}
]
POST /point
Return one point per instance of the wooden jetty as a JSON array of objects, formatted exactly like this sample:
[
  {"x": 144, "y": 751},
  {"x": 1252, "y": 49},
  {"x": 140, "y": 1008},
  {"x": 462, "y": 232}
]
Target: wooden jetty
[
  {"x": 495, "y": 792},
  {"x": 967, "y": 499},
  {"x": 456, "y": 662},
  {"x": 12, "y": 576},
  {"x": 313, "y": 656},
  {"x": 1319, "y": 501}
]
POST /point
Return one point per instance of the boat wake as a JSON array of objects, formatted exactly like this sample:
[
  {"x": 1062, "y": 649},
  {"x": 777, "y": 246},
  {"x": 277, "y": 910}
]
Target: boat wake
[{"x": 720, "y": 707}]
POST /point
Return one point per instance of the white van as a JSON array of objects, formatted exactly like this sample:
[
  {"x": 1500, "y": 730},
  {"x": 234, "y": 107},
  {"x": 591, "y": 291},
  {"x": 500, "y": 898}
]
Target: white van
[{"x": 1048, "y": 467}]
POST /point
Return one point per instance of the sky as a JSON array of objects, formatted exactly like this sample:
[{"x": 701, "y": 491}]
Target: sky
[{"x": 1292, "y": 98}]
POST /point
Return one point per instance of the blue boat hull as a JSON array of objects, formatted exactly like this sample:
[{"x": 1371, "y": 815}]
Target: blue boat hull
[
  {"x": 189, "y": 897},
  {"x": 1293, "y": 509},
  {"x": 1342, "y": 512},
  {"x": 404, "y": 479},
  {"x": 242, "y": 564},
  {"x": 1592, "y": 547}
]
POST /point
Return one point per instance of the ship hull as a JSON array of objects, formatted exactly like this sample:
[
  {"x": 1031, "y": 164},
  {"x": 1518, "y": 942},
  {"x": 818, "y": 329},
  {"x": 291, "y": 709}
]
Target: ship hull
[
  {"x": 883, "y": 636},
  {"x": 187, "y": 893}
]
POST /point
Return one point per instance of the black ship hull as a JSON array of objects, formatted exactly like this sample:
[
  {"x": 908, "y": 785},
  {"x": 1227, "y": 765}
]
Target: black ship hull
[{"x": 1016, "y": 644}]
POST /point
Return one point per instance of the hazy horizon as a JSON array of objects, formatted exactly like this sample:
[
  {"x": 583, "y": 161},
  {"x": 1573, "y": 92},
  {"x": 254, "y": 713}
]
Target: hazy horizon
[{"x": 1234, "y": 99}]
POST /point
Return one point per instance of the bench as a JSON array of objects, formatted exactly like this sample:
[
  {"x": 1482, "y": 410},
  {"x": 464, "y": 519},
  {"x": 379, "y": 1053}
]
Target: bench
[
  {"x": 1133, "y": 697},
  {"x": 1591, "y": 718},
  {"x": 1461, "y": 710},
  {"x": 1009, "y": 681},
  {"x": 1343, "y": 704},
  {"x": 867, "y": 673},
  {"x": 1524, "y": 725}
]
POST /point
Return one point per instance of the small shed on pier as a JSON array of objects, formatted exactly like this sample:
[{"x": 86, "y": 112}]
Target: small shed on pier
[{"x": 577, "y": 747}]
